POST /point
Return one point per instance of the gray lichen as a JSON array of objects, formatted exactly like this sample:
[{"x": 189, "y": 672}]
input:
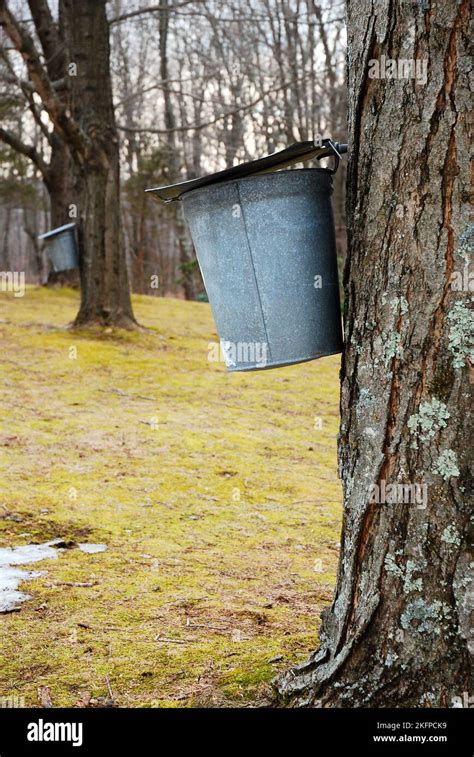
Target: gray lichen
[
  {"x": 465, "y": 244},
  {"x": 391, "y": 347},
  {"x": 447, "y": 465},
  {"x": 428, "y": 699},
  {"x": 460, "y": 336},
  {"x": 405, "y": 573},
  {"x": 366, "y": 398},
  {"x": 425, "y": 618},
  {"x": 451, "y": 535},
  {"x": 355, "y": 341},
  {"x": 411, "y": 584},
  {"x": 349, "y": 486},
  {"x": 390, "y": 659},
  {"x": 392, "y": 567},
  {"x": 430, "y": 419},
  {"x": 399, "y": 303}
]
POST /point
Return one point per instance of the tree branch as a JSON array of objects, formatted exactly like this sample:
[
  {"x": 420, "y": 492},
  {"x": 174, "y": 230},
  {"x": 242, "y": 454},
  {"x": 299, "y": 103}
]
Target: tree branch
[
  {"x": 57, "y": 111},
  {"x": 221, "y": 116},
  {"x": 151, "y": 9},
  {"x": 36, "y": 114},
  {"x": 27, "y": 90},
  {"x": 47, "y": 32},
  {"x": 29, "y": 151},
  {"x": 59, "y": 85}
]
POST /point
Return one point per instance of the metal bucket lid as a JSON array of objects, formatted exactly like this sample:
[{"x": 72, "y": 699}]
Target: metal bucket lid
[
  {"x": 58, "y": 230},
  {"x": 300, "y": 151}
]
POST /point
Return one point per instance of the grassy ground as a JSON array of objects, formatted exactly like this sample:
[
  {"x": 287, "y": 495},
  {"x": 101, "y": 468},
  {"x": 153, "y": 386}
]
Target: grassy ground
[{"x": 216, "y": 495}]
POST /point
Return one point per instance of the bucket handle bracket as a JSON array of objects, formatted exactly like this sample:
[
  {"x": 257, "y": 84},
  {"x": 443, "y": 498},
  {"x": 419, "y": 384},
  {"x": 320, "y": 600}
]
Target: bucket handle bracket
[{"x": 336, "y": 150}]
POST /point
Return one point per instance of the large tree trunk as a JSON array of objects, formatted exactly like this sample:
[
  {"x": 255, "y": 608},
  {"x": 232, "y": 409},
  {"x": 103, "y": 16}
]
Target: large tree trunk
[
  {"x": 61, "y": 183},
  {"x": 397, "y": 633},
  {"x": 60, "y": 186},
  {"x": 105, "y": 296}
]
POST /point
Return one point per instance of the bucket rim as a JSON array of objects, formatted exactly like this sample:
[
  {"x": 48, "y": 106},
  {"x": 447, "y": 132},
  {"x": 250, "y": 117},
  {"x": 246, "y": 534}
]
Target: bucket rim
[
  {"x": 255, "y": 176},
  {"x": 254, "y": 367},
  {"x": 57, "y": 231}
]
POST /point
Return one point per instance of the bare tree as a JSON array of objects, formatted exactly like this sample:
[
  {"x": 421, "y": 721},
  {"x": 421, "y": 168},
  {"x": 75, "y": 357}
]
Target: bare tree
[
  {"x": 55, "y": 169},
  {"x": 87, "y": 128}
]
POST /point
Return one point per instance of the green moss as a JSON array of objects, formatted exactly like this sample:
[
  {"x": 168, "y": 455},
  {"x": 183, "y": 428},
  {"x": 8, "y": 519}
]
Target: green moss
[{"x": 139, "y": 442}]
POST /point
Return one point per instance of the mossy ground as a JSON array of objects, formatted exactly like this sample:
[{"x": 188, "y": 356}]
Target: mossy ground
[{"x": 215, "y": 493}]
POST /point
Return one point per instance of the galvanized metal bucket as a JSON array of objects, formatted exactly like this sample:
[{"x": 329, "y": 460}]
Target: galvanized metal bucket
[
  {"x": 265, "y": 243},
  {"x": 266, "y": 248},
  {"x": 62, "y": 247}
]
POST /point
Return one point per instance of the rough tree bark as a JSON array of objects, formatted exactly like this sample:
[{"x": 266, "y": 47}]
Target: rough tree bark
[
  {"x": 397, "y": 633},
  {"x": 104, "y": 279}
]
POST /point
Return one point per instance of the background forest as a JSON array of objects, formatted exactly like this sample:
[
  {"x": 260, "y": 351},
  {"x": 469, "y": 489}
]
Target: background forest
[{"x": 197, "y": 86}]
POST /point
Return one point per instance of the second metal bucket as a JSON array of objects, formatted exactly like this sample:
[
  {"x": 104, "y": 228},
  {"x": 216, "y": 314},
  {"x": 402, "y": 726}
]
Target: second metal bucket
[
  {"x": 266, "y": 248},
  {"x": 62, "y": 247}
]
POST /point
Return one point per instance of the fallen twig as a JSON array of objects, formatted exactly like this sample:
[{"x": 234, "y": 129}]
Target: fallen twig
[
  {"x": 109, "y": 689},
  {"x": 121, "y": 393},
  {"x": 81, "y": 584},
  {"x": 167, "y": 640},
  {"x": 205, "y": 625}
]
